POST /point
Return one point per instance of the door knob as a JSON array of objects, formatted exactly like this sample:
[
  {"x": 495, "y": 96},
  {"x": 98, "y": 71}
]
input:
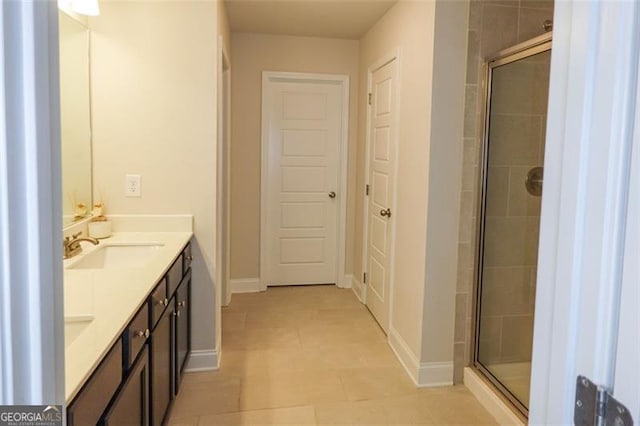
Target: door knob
[
  {"x": 332, "y": 194},
  {"x": 385, "y": 212}
]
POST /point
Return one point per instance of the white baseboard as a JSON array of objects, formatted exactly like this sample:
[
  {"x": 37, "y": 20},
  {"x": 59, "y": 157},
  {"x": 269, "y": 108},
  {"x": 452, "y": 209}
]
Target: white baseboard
[
  {"x": 425, "y": 374},
  {"x": 431, "y": 374},
  {"x": 407, "y": 358},
  {"x": 245, "y": 285},
  {"x": 345, "y": 281},
  {"x": 252, "y": 285},
  {"x": 358, "y": 288},
  {"x": 489, "y": 399},
  {"x": 203, "y": 360}
]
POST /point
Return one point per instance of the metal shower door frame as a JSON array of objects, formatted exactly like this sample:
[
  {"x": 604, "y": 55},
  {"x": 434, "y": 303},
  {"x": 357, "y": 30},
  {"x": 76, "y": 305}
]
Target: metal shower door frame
[{"x": 515, "y": 53}]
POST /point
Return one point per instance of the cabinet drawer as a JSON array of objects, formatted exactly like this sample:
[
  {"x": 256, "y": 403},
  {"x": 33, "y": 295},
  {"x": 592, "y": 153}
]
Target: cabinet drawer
[
  {"x": 88, "y": 406},
  {"x": 174, "y": 276},
  {"x": 187, "y": 258},
  {"x": 158, "y": 301},
  {"x": 136, "y": 335}
]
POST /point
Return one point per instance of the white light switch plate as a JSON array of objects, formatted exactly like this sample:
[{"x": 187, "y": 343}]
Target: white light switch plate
[{"x": 132, "y": 186}]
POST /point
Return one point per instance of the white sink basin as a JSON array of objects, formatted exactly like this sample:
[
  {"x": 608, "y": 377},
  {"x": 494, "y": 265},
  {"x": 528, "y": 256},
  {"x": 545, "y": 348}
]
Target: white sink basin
[
  {"x": 122, "y": 255},
  {"x": 74, "y": 326}
]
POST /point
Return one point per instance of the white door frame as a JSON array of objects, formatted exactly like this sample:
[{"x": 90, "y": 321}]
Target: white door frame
[
  {"x": 343, "y": 80},
  {"x": 223, "y": 174},
  {"x": 627, "y": 374},
  {"x": 222, "y": 166},
  {"x": 382, "y": 61},
  {"x": 594, "y": 70},
  {"x": 32, "y": 367}
]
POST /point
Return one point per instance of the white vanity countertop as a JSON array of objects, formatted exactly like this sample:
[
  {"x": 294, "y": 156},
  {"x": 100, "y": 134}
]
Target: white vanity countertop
[{"x": 111, "y": 297}]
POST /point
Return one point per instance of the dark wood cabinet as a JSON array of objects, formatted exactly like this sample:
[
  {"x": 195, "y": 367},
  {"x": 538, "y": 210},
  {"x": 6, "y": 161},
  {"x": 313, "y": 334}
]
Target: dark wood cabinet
[
  {"x": 174, "y": 276},
  {"x": 182, "y": 327},
  {"x": 162, "y": 366},
  {"x": 137, "y": 380},
  {"x": 187, "y": 257},
  {"x": 158, "y": 301},
  {"x": 88, "y": 406},
  {"x": 135, "y": 336},
  {"x": 131, "y": 404}
]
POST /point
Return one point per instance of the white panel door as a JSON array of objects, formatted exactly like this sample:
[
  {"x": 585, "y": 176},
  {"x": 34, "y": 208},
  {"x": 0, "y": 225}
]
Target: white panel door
[
  {"x": 304, "y": 130},
  {"x": 381, "y": 152}
]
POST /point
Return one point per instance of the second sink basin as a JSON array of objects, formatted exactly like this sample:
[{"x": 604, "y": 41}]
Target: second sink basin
[
  {"x": 74, "y": 326},
  {"x": 120, "y": 255}
]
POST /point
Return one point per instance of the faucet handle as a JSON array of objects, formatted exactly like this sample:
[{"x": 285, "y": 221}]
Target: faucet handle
[{"x": 72, "y": 238}]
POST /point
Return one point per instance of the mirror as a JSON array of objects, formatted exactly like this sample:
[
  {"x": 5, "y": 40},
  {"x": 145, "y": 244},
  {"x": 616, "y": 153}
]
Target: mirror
[{"x": 75, "y": 116}]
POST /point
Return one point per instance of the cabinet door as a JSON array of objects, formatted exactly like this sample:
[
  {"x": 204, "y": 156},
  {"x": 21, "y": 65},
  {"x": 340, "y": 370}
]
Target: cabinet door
[
  {"x": 131, "y": 403},
  {"x": 183, "y": 326},
  {"x": 161, "y": 366},
  {"x": 93, "y": 399}
]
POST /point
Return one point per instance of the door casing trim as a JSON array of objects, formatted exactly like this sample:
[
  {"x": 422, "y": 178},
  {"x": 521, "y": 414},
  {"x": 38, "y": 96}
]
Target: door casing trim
[{"x": 223, "y": 176}]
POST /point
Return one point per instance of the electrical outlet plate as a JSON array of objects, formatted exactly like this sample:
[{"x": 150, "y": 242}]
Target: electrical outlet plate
[{"x": 132, "y": 186}]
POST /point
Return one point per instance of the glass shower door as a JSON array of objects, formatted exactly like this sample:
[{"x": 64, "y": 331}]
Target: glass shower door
[{"x": 510, "y": 219}]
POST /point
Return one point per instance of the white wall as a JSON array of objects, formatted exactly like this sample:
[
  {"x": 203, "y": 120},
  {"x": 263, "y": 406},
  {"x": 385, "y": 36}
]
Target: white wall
[
  {"x": 154, "y": 84},
  {"x": 252, "y": 54},
  {"x": 408, "y": 27},
  {"x": 428, "y": 175},
  {"x": 445, "y": 179}
]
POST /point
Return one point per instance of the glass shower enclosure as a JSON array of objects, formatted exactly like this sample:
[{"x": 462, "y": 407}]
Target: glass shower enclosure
[{"x": 509, "y": 216}]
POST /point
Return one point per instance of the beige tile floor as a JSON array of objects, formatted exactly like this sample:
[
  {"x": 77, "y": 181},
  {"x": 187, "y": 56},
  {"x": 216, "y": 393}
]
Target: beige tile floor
[{"x": 312, "y": 355}]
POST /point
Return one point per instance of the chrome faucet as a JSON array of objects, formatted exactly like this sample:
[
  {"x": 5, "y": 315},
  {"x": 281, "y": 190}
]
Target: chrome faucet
[{"x": 72, "y": 247}]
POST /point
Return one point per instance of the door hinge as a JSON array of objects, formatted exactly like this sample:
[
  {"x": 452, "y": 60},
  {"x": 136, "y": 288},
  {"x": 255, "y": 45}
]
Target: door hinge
[
  {"x": 364, "y": 278},
  {"x": 595, "y": 405},
  {"x": 366, "y": 189},
  {"x": 370, "y": 98}
]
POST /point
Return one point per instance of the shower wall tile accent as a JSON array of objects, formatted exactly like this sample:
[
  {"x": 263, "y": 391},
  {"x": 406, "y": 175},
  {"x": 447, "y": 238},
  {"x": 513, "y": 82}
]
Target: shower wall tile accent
[{"x": 495, "y": 25}]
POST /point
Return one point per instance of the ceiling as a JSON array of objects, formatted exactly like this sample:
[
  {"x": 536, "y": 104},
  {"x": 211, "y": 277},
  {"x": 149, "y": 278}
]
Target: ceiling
[{"x": 348, "y": 19}]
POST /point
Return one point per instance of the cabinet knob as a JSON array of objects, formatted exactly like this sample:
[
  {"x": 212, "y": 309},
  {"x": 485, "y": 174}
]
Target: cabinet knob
[
  {"x": 190, "y": 257},
  {"x": 182, "y": 304},
  {"x": 144, "y": 333}
]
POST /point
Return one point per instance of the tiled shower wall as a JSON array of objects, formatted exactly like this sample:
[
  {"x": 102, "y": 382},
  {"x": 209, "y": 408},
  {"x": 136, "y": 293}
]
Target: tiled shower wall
[{"x": 493, "y": 25}]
